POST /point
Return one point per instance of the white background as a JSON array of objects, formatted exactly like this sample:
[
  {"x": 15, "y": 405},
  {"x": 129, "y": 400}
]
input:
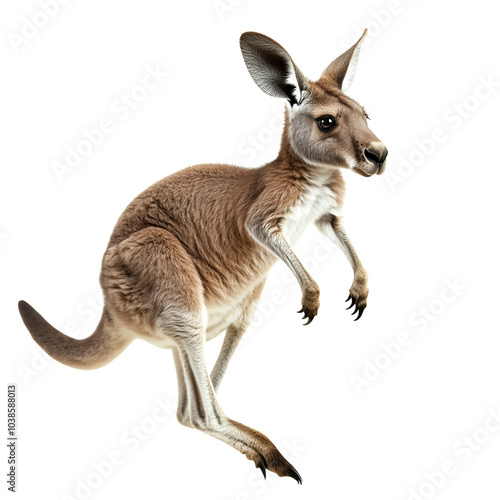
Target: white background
[{"x": 430, "y": 218}]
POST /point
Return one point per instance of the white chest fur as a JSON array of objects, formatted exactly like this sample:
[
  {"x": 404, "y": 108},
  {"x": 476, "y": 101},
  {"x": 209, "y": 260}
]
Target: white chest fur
[{"x": 317, "y": 199}]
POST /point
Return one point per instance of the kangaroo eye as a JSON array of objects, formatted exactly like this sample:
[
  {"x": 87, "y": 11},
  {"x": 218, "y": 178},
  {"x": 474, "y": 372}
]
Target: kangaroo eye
[{"x": 326, "y": 122}]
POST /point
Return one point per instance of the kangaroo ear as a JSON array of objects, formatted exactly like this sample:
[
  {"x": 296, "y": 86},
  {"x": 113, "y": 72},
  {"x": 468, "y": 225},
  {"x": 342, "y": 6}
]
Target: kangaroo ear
[
  {"x": 341, "y": 71},
  {"x": 271, "y": 67}
]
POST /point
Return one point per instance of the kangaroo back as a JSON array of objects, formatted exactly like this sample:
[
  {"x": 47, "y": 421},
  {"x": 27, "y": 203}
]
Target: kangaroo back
[{"x": 87, "y": 354}]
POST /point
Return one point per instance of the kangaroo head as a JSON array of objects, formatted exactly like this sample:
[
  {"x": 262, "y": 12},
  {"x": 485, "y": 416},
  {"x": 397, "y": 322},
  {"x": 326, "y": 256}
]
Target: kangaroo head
[{"x": 325, "y": 127}]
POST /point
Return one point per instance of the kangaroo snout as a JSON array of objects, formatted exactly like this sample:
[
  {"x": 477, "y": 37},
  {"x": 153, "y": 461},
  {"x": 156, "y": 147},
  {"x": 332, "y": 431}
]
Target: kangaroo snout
[{"x": 376, "y": 153}]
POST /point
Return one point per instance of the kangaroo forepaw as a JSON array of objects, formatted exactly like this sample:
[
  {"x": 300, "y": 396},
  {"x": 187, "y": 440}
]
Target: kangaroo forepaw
[
  {"x": 358, "y": 294},
  {"x": 309, "y": 314},
  {"x": 310, "y": 304}
]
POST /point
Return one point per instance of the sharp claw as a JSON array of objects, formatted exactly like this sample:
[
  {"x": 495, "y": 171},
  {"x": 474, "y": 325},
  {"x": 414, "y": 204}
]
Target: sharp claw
[
  {"x": 355, "y": 310},
  {"x": 353, "y": 302},
  {"x": 293, "y": 473},
  {"x": 301, "y": 311},
  {"x": 262, "y": 467},
  {"x": 348, "y": 298},
  {"x": 310, "y": 319},
  {"x": 361, "y": 310}
]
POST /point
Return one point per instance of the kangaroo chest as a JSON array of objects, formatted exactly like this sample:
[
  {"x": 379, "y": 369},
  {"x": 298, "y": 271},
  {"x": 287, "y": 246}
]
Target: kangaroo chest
[{"x": 315, "y": 200}]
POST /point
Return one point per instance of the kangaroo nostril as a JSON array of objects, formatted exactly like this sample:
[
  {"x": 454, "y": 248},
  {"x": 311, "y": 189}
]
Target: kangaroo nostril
[
  {"x": 376, "y": 153},
  {"x": 372, "y": 156}
]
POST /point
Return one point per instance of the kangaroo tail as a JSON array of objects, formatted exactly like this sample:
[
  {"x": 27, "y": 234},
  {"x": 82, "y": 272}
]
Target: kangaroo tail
[{"x": 105, "y": 344}]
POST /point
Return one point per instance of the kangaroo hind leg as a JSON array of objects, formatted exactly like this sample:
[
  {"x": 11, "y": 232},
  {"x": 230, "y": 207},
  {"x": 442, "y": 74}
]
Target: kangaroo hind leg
[
  {"x": 159, "y": 286},
  {"x": 205, "y": 414},
  {"x": 234, "y": 334}
]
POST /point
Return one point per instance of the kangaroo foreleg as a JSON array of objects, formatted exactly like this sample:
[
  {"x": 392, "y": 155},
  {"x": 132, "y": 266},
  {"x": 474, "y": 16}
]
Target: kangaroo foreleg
[
  {"x": 271, "y": 237},
  {"x": 331, "y": 226}
]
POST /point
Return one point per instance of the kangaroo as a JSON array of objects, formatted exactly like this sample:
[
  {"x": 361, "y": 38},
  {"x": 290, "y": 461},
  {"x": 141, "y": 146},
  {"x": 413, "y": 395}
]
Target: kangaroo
[{"x": 188, "y": 258}]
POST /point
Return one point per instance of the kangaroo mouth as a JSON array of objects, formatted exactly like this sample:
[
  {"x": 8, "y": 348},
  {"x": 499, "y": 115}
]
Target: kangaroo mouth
[
  {"x": 369, "y": 169},
  {"x": 361, "y": 172}
]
